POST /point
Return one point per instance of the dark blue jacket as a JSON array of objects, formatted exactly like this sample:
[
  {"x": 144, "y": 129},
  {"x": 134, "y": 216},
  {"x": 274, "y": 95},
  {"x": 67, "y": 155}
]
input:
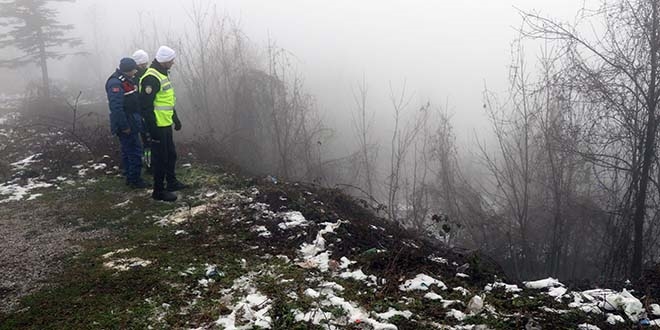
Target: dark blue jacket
[{"x": 124, "y": 104}]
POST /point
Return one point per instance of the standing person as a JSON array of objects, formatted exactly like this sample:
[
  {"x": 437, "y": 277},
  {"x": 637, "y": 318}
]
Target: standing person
[
  {"x": 158, "y": 101},
  {"x": 126, "y": 121},
  {"x": 142, "y": 60}
]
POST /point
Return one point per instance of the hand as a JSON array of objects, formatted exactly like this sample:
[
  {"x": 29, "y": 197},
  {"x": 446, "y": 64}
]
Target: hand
[
  {"x": 177, "y": 125},
  {"x": 127, "y": 131}
]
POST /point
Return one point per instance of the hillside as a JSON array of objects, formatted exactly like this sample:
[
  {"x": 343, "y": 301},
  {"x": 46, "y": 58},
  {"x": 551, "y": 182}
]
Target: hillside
[{"x": 82, "y": 251}]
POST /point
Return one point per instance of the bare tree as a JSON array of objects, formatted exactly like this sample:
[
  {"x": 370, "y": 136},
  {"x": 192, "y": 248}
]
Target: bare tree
[
  {"x": 403, "y": 136},
  {"x": 362, "y": 125},
  {"x": 617, "y": 73}
]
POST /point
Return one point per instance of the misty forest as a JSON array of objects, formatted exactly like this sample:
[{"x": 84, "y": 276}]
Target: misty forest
[{"x": 479, "y": 166}]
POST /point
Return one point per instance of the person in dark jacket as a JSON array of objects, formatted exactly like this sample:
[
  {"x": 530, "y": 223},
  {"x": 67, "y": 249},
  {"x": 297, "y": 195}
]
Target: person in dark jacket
[
  {"x": 142, "y": 60},
  {"x": 126, "y": 120},
  {"x": 158, "y": 102}
]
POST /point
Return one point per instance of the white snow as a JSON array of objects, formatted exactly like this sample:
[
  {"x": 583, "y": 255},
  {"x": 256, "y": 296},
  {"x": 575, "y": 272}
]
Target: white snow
[
  {"x": 655, "y": 309},
  {"x": 433, "y": 296},
  {"x": 392, "y": 313},
  {"x": 357, "y": 314},
  {"x": 181, "y": 215},
  {"x": 312, "y": 293},
  {"x": 509, "y": 288},
  {"x": 462, "y": 290},
  {"x": 421, "y": 282},
  {"x": 345, "y": 262},
  {"x": 331, "y": 286},
  {"x": 624, "y": 301},
  {"x": 15, "y": 192},
  {"x": 251, "y": 309},
  {"x": 99, "y": 166},
  {"x": 315, "y": 316},
  {"x": 34, "y": 196},
  {"x": 597, "y": 300},
  {"x": 614, "y": 319},
  {"x": 439, "y": 260},
  {"x": 124, "y": 264},
  {"x": 262, "y": 230},
  {"x": 475, "y": 305},
  {"x": 292, "y": 219},
  {"x": 543, "y": 284},
  {"x": 314, "y": 254},
  {"x": 586, "y": 326},
  {"x": 360, "y": 276},
  {"x": 557, "y": 292},
  {"x": 122, "y": 204},
  {"x": 110, "y": 254},
  {"x": 22, "y": 164},
  {"x": 458, "y": 315}
]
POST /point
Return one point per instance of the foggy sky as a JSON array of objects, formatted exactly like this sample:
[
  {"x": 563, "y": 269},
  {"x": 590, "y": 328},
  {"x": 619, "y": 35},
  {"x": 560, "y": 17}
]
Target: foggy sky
[{"x": 445, "y": 50}]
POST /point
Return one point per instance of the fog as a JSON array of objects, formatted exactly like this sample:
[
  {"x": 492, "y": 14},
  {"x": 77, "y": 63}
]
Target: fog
[
  {"x": 543, "y": 174},
  {"x": 445, "y": 51}
]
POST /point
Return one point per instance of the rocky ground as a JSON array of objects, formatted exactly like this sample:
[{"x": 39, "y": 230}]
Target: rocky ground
[{"x": 82, "y": 251}]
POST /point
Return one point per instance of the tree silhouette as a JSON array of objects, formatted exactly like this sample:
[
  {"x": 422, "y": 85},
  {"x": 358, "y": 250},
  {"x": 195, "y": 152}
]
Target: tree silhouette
[{"x": 33, "y": 29}]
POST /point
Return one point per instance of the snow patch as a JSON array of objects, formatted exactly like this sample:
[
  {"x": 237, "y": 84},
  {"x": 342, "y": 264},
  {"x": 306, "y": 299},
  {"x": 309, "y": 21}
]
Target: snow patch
[
  {"x": 181, "y": 215},
  {"x": 392, "y": 313},
  {"x": 262, "y": 230},
  {"x": 458, "y": 315},
  {"x": 314, "y": 254},
  {"x": 24, "y": 163},
  {"x": 125, "y": 264},
  {"x": 421, "y": 282},
  {"x": 433, "y": 296},
  {"x": 509, "y": 288},
  {"x": 250, "y": 311},
  {"x": 292, "y": 219},
  {"x": 655, "y": 309},
  {"x": 543, "y": 284},
  {"x": 16, "y": 192}
]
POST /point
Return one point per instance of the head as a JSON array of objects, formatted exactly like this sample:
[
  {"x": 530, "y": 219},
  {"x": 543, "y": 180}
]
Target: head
[
  {"x": 128, "y": 67},
  {"x": 141, "y": 58},
  {"x": 165, "y": 56}
]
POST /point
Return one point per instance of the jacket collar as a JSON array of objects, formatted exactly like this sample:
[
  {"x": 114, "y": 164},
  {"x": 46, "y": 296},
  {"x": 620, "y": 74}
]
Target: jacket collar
[
  {"x": 120, "y": 75},
  {"x": 156, "y": 65}
]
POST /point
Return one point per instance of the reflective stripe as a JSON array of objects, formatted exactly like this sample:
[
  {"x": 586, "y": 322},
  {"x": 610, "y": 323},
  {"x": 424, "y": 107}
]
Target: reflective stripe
[
  {"x": 166, "y": 87},
  {"x": 163, "y": 107}
]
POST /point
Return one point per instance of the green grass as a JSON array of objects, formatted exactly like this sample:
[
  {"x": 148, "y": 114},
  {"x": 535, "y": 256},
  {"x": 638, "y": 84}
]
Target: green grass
[{"x": 88, "y": 295}]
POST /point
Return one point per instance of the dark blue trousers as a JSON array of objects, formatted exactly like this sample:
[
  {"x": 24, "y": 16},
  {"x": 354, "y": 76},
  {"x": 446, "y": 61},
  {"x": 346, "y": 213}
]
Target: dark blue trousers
[{"x": 131, "y": 156}]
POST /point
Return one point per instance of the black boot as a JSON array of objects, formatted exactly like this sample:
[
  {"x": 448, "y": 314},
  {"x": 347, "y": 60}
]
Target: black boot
[
  {"x": 162, "y": 195},
  {"x": 176, "y": 186}
]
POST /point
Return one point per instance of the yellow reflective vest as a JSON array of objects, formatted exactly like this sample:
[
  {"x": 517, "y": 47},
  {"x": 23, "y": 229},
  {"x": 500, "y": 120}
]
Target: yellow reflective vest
[{"x": 165, "y": 99}]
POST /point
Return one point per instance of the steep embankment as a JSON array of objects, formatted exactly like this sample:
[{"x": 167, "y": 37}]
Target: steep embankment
[{"x": 241, "y": 253}]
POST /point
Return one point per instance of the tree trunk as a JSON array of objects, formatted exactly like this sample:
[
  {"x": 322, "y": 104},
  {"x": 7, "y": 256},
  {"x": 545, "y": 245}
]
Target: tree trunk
[
  {"x": 648, "y": 152},
  {"x": 43, "y": 63}
]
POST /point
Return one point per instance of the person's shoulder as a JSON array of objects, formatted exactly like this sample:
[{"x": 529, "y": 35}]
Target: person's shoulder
[{"x": 113, "y": 86}]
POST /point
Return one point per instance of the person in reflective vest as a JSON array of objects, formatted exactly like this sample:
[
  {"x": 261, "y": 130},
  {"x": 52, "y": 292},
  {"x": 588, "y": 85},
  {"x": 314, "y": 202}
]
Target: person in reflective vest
[
  {"x": 158, "y": 102},
  {"x": 126, "y": 121},
  {"x": 142, "y": 60}
]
